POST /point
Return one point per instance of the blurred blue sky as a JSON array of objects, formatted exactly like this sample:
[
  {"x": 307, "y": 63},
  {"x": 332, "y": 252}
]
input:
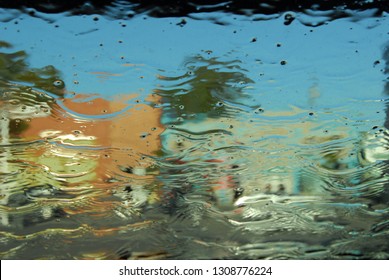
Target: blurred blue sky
[{"x": 110, "y": 57}]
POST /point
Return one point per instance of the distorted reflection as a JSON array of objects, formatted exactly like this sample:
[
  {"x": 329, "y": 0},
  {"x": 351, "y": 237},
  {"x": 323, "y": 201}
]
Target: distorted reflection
[
  {"x": 64, "y": 157},
  {"x": 215, "y": 143},
  {"x": 237, "y": 151}
]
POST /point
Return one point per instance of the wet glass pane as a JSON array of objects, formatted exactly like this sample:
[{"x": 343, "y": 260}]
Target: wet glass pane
[{"x": 220, "y": 130}]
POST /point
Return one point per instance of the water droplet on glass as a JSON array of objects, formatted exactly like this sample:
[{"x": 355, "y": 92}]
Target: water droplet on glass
[
  {"x": 14, "y": 102},
  {"x": 288, "y": 18},
  {"x": 144, "y": 135},
  {"x": 59, "y": 84},
  {"x": 182, "y": 23},
  {"x": 259, "y": 110}
]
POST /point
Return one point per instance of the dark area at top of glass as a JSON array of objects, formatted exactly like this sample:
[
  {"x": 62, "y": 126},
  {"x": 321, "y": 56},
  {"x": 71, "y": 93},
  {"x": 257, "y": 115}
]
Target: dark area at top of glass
[{"x": 171, "y": 8}]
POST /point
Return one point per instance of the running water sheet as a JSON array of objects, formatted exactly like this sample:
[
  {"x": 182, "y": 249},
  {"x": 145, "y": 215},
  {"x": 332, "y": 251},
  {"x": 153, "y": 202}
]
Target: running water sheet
[{"x": 230, "y": 130}]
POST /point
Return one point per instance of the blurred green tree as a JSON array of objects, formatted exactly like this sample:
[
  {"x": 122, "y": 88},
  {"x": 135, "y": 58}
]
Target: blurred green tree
[
  {"x": 25, "y": 92},
  {"x": 203, "y": 89}
]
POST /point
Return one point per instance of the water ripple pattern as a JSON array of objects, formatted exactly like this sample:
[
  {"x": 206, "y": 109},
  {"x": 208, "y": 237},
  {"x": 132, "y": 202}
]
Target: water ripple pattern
[{"x": 206, "y": 131}]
